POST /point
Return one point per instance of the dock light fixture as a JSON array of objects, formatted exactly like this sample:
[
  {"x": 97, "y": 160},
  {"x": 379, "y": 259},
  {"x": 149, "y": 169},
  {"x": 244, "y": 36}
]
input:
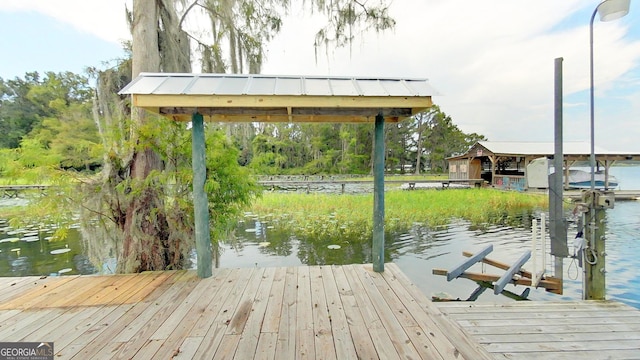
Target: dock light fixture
[{"x": 609, "y": 10}]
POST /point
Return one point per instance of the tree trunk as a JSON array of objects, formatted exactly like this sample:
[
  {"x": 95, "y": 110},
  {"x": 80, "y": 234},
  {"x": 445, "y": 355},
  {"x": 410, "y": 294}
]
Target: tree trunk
[{"x": 145, "y": 229}]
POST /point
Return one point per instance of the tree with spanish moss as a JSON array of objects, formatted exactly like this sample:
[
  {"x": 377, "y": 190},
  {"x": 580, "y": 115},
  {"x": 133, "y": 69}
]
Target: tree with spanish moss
[{"x": 141, "y": 199}]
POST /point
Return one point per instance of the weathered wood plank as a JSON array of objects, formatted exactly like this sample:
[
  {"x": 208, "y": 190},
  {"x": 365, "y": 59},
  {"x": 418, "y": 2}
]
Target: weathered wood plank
[
  {"x": 305, "y": 339},
  {"x": 436, "y": 346},
  {"x": 243, "y": 309},
  {"x": 343, "y": 342},
  {"x": 216, "y": 326},
  {"x": 467, "y": 347},
  {"x": 593, "y": 345},
  {"x": 286, "y": 346},
  {"x": 390, "y": 322},
  {"x": 188, "y": 348},
  {"x": 515, "y": 328},
  {"x": 324, "y": 342},
  {"x": 251, "y": 333},
  {"x": 530, "y": 306},
  {"x": 97, "y": 329},
  {"x": 572, "y": 355},
  {"x": 24, "y": 300},
  {"x": 137, "y": 318},
  {"x": 147, "y": 351},
  {"x": 232, "y": 284},
  {"x": 29, "y": 324},
  {"x": 362, "y": 342},
  {"x": 280, "y": 313},
  {"x": 568, "y": 337},
  {"x": 18, "y": 286},
  {"x": 266, "y": 349},
  {"x": 180, "y": 323},
  {"x": 380, "y": 337},
  {"x": 274, "y": 305},
  {"x": 227, "y": 347},
  {"x": 537, "y": 322},
  {"x": 145, "y": 324},
  {"x": 568, "y": 315},
  {"x": 82, "y": 293}
]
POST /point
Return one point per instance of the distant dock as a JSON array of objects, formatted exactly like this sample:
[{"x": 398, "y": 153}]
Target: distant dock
[{"x": 12, "y": 191}]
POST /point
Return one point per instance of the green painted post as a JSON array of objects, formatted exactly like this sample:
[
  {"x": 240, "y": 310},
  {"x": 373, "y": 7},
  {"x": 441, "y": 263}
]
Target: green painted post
[
  {"x": 378, "y": 195},
  {"x": 200, "y": 201}
]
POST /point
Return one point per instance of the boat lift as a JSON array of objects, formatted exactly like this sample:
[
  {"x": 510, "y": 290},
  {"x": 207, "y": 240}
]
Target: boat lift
[{"x": 514, "y": 273}]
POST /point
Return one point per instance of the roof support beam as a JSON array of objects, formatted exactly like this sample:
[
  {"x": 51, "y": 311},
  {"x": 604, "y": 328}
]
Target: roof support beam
[
  {"x": 378, "y": 195},
  {"x": 200, "y": 201}
]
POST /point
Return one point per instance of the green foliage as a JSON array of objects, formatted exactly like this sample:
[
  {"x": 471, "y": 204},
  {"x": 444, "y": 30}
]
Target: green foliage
[
  {"x": 167, "y": 192},
  {"x": 334, "y": 217},
  {"x": 25, "y": 103}
]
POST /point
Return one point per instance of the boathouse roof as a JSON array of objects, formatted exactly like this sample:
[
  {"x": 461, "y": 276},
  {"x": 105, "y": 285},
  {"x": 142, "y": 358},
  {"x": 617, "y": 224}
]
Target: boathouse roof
[
  {"x": 577, "y": 151},
  {"x": 269, "y": 98}
]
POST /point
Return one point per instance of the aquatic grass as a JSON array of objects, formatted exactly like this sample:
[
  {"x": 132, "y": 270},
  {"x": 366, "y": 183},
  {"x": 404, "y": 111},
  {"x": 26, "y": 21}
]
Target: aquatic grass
[{"x": 333, "y": 216}]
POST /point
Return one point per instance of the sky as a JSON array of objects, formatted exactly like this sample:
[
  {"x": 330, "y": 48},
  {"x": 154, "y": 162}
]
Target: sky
[{"x": 492, "y": 62}]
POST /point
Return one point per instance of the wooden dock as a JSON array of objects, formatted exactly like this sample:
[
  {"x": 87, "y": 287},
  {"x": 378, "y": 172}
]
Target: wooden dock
[
  {"x": 551, "y": 330},
  {"x": 316, "y": 312},
  {"x": 12, "y": 191}
]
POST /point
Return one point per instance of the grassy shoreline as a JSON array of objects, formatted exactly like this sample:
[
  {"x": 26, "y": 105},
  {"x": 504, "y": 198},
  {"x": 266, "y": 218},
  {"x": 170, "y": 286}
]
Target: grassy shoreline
[{"x": 339, "y": 215}]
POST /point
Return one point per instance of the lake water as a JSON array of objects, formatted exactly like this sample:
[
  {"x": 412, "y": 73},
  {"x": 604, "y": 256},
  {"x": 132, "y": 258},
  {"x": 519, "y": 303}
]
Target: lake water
[{"x": 416, "y": 251}]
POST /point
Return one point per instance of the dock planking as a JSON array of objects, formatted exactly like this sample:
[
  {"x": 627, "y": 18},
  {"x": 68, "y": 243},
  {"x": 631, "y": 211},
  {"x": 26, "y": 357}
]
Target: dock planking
[
  {"x": 551, "y": 330},
  {"x": 316, "y": 312},
  {"x": 328, "y": 312}
]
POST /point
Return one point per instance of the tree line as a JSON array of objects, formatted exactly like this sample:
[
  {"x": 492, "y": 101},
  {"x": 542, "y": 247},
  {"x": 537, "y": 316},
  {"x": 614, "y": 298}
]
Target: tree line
[{"x": 49, "y": 118}]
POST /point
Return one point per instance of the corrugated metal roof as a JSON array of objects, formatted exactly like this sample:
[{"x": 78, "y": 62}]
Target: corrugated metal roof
[
  {"x": 226, "y": 84},
  {"x": 574, "y": 151},
  {"x": 540, "y": 148}
]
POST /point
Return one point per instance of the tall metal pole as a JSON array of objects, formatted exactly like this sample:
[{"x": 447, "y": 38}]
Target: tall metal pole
[
  {"x": 557, "y": 223},
  {"x": 200, "y": 201},
  {"x": 592, "y": 157},
  {"x": 378, "y": 195}
]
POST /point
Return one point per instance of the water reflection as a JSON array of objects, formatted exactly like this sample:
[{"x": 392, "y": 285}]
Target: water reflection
[
  {"x": 417, "y": 250},
  {"x": 420, "y": 249},
  {"x": 31, "y": 251}
]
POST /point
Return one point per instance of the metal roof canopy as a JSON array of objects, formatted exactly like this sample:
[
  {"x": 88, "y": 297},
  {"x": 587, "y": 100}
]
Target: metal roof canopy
[
  {"x": 265, "y": 98},
  {"x": 268, "y": 98}
]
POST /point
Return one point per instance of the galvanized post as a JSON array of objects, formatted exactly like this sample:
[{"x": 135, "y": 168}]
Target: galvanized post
[
  {"x": 378, "y": 195},
  {"x": 200, "y": 201}
]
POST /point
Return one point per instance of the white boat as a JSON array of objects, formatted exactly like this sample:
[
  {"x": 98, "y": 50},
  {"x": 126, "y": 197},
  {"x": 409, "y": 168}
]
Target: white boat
[{"x": 579, "y": 179}]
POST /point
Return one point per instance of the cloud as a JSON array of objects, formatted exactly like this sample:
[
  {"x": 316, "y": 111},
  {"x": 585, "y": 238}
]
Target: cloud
[
  {"x": 492, "y": 61},
  {"x": 102, "y": 18}
]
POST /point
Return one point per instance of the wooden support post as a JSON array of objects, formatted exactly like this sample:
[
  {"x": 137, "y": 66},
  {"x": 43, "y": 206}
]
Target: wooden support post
[
  {"x": 200, "y": 201},
  {"x": 507, "y": 277},
  {"x": 458, "y": 270},
  {"x": 594, "y": 264},
  {"x": 378, "y": 195}
]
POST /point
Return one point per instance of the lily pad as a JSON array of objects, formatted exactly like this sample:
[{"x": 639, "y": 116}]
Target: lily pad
[
  {"x": 30, "y": 238},
  {"x": 60, "y": 251}
]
